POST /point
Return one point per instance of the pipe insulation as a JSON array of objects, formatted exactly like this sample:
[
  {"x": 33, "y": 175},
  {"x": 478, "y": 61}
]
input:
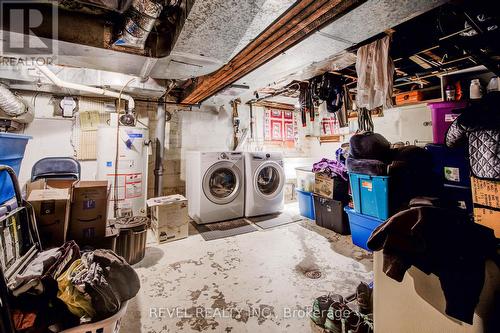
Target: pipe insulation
[
  {"x": 83, "y": 88},
  {"x": 11, "y": 104}
]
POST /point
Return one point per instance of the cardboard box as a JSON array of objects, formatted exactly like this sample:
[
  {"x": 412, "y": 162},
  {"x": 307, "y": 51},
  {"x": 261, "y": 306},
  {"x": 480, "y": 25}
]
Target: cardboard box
[
  {"x": 169, "y": 211},
  {"x": 169, "y": 217},
  {"x": 89, "y": 205},
  {"x": 489, "y": 218},
  {"x": 42, "y": 184},
  {"x": 169, "y": 234},
  {"x": 486, "y": 192},
  {"x": 325, "y": 186},
  {"x": 52, "y": 209}
]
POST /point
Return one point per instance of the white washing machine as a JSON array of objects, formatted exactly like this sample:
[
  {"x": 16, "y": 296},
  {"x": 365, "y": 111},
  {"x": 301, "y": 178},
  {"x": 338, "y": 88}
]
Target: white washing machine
[
  {"x": 264, "y": 182},
  {"x": 215, "y": 186}
]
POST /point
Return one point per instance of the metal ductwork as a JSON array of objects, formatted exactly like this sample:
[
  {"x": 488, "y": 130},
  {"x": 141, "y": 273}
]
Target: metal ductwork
[
  {"x": 115, "y": 5},
  {"x": 139, "y": 21},
  {"x": 13, "y": 107}
]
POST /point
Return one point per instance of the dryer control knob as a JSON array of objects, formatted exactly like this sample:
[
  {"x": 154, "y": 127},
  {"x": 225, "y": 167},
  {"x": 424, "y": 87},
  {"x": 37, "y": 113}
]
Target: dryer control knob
[
  {"x": 268, "y": 155},
  {"x": 223, "y": 156}
]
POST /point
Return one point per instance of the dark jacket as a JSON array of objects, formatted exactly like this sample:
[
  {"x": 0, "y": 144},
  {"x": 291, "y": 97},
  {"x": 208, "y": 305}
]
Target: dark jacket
[
  {"x": 479, "y": 127},
  {"x": 442, "y": 241}
]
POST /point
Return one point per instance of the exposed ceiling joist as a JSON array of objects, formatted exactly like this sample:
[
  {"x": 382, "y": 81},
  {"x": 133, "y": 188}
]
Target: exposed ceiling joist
[
  {"x": 275, "y": 105},
  {"x": 301, "y": 20}
]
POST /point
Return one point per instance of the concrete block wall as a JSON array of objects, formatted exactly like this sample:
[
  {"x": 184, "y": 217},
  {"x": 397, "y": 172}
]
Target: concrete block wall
[
  {"x": 172, "y": 183},
  {"x": 207, "y": 129}
]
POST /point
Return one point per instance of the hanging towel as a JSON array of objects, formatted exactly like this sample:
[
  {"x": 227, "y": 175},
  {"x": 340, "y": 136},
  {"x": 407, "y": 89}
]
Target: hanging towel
[{"x": 375, "y": 71}]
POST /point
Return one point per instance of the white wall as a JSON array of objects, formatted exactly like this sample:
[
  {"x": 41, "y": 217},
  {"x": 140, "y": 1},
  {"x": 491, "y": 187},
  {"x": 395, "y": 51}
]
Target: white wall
[{"x": 52, "y": 136}]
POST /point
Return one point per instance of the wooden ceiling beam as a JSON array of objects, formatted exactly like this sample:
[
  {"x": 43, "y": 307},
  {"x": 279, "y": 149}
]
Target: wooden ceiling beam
[
  {"x": 275, "y": 105},
  {"x": 300, "y": 21}
]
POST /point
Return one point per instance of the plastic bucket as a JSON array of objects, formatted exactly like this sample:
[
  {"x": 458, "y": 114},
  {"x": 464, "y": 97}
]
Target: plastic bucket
[
  {"x": 443, "y": 114},
  {"x": 306, "y": 204},
  {"x": 12, "y": 147}
]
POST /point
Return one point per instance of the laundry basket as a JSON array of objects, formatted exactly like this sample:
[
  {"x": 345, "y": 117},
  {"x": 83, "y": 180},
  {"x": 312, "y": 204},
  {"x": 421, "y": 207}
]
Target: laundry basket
[{"x": 109, "y": 325}]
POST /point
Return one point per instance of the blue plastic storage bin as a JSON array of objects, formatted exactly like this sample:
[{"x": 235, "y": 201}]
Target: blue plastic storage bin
[
  {"x": 450, "y": 165},
  {"x": 306, "y": 204},
  {"x": 370, "y": 195},
  {"x": 12, "y": 147},
  {"x": 361, "y": 226}
]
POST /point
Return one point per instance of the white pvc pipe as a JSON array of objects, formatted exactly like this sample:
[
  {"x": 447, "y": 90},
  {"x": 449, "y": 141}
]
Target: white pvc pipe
[{"x": 80, "y": 87}]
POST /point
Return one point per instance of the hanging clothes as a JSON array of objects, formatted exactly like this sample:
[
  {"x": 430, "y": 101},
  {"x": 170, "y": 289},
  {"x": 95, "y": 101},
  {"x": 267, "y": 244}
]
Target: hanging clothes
[
  {"x": 375, "y": 71},
  {"x": 306, "y": 103}
]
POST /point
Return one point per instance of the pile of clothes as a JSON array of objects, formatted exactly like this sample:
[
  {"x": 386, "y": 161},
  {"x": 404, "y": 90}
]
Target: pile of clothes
[
  {"x": 331, "y": 168},
  {"x": 410, "y": 167},
  {"x": 440, "y": 239},
  {"x": 62, "y": 288}
]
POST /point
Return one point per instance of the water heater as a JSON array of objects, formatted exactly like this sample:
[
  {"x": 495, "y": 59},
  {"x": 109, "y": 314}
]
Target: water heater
[{"x": 128, "y": 169}]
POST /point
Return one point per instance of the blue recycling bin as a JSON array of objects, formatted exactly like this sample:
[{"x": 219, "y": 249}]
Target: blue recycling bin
[{"x": 12, "y": 147}]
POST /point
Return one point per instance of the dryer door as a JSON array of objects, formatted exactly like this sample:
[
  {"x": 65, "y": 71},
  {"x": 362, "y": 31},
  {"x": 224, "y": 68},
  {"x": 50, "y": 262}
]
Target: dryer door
[
  {"x": 269, "y": 179},
  {"x": 222, "y": 182}
]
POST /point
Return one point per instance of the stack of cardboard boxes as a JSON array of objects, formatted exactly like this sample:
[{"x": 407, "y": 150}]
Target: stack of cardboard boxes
[
  {"x": 486, "y": 198},
  {"x": 169, "y": 217},
  {"x": 69, "y": 210}
]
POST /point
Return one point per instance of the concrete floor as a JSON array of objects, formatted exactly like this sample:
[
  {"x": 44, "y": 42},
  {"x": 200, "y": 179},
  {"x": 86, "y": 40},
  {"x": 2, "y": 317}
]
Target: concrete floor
[{"x": 254, "y": 282}]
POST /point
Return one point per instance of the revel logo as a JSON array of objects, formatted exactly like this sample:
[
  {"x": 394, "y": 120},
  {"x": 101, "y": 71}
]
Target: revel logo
[{"x": 28, "y": 28}]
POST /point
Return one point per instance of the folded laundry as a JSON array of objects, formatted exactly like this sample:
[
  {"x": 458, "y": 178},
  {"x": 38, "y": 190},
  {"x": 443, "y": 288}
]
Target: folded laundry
[
  {"x": 331, "y": 167},
  {"x": 441, "y": 241}
]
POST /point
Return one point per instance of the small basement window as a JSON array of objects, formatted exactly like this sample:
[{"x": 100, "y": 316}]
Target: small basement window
[{"x": 280, "y": 127}]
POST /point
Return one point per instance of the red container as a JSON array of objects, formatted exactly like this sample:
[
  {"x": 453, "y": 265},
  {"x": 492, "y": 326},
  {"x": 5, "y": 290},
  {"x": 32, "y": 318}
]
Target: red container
[{"x": 443, "y": 114}]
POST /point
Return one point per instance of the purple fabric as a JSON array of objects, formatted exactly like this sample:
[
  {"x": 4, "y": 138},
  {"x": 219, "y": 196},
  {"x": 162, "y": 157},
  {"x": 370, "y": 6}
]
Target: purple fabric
[{"x": 331, "y": 167}]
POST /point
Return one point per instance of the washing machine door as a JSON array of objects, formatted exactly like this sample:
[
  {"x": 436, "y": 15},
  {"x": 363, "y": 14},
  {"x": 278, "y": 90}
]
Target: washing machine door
[
  {"x": 222, "y": 182},
  {"x": 269, "y": 179}
]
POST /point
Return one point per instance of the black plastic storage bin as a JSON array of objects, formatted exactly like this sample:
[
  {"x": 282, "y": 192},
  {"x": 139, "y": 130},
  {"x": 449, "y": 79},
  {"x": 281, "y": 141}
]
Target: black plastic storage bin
[{"x": 330, "y": 214}]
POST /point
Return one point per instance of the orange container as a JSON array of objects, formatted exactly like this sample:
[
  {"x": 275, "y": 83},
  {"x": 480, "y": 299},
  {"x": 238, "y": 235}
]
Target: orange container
[{"x": 409, "y": 97}]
